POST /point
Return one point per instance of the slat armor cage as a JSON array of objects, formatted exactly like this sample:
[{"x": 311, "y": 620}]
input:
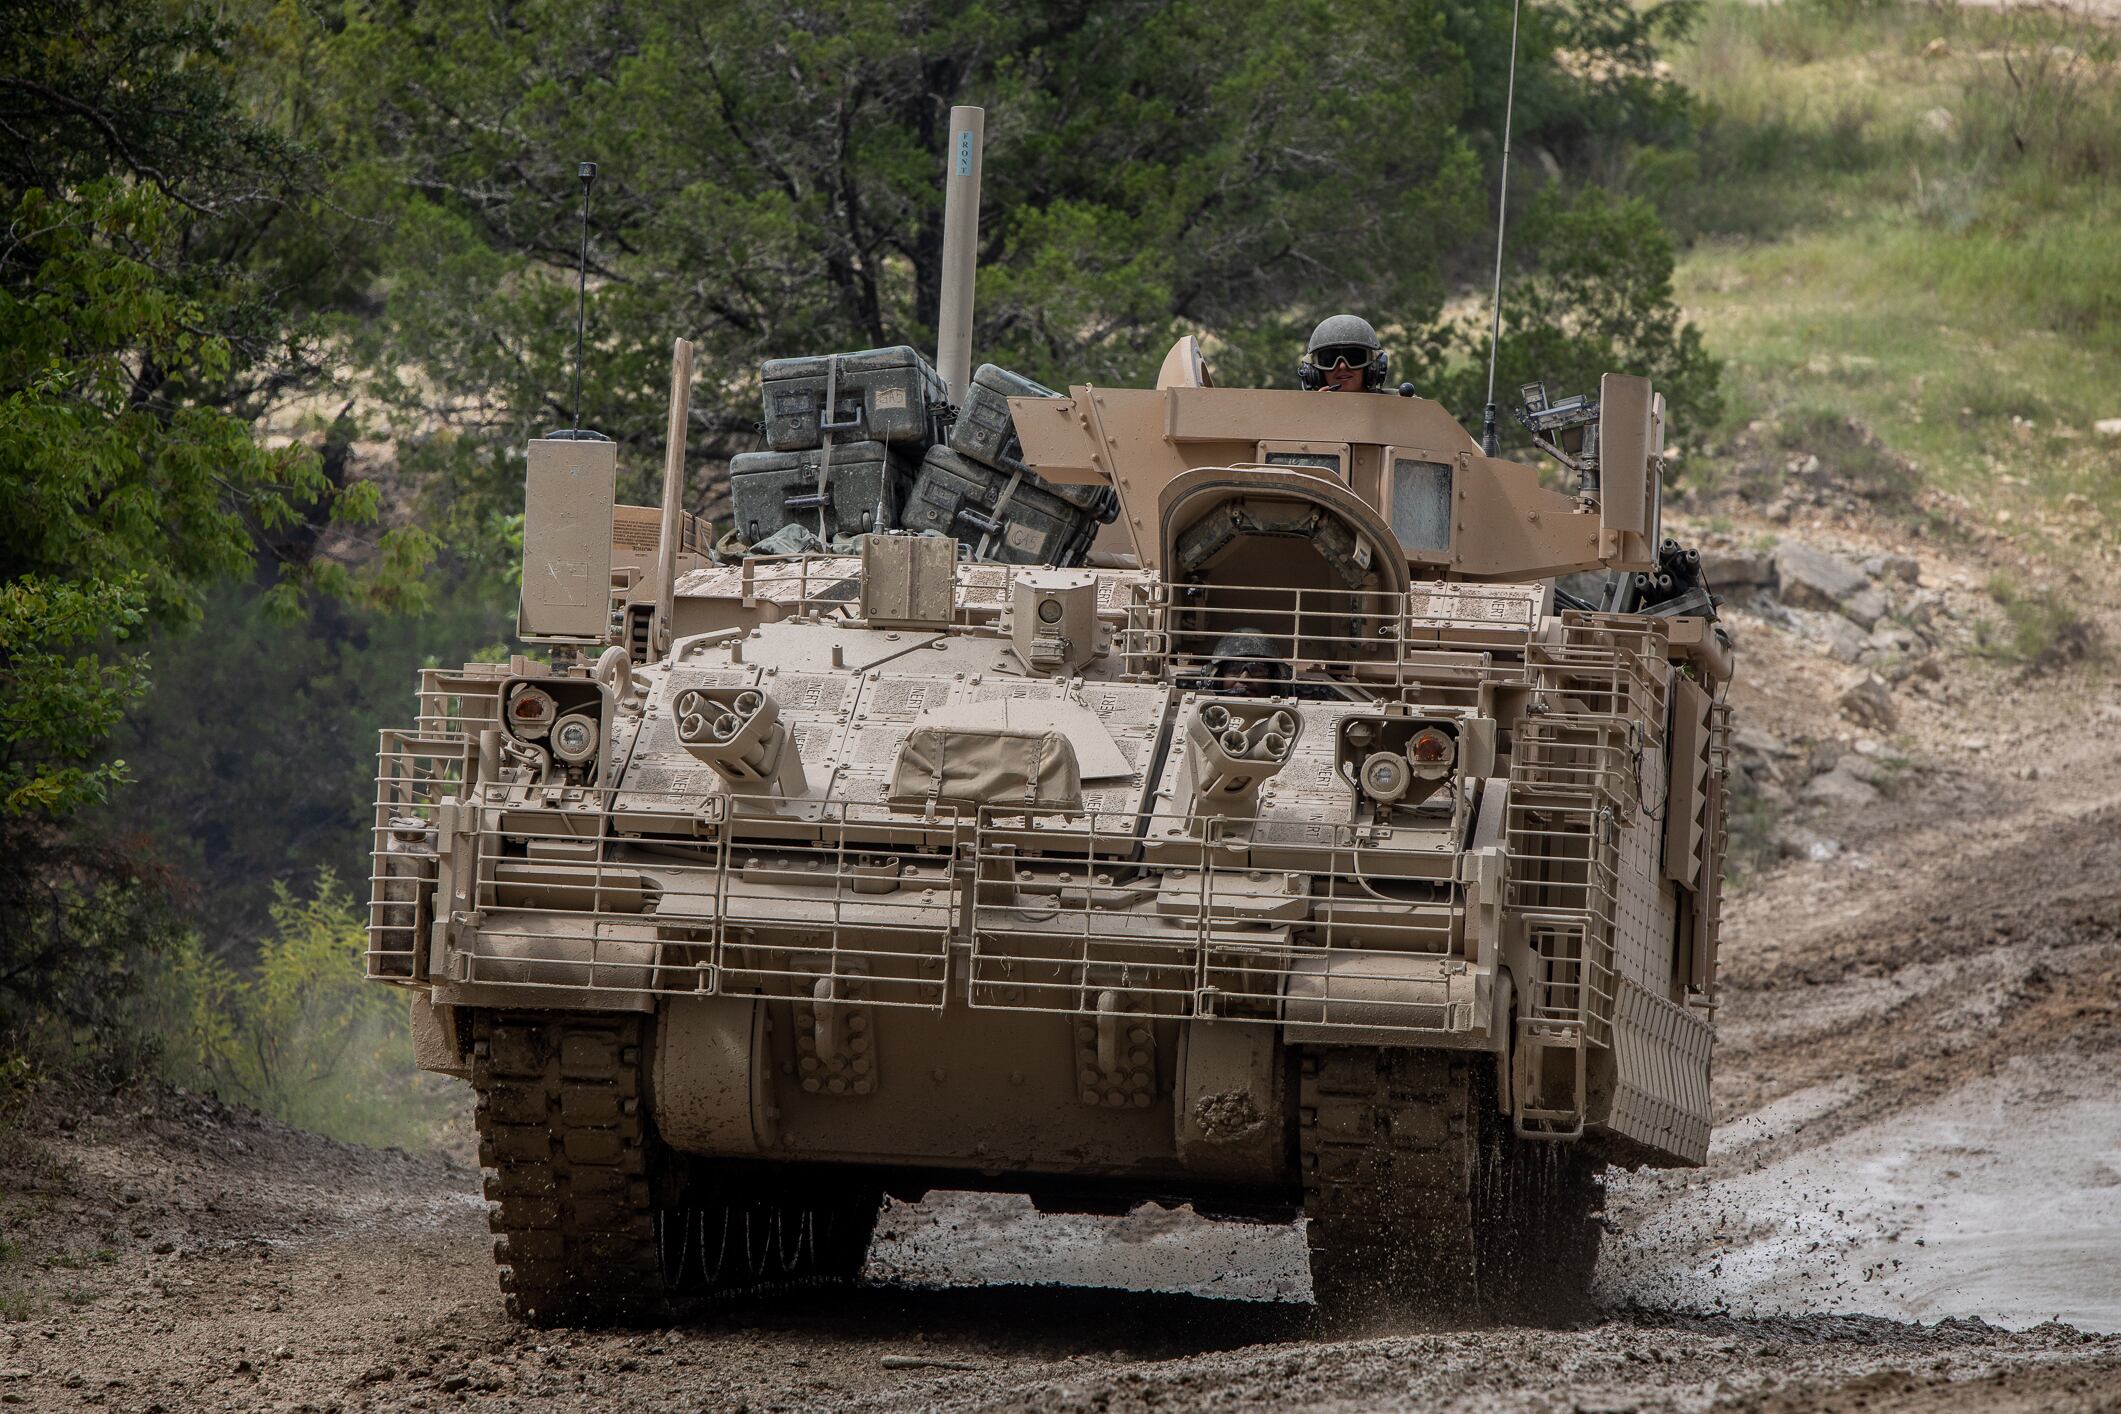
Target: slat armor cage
[{"x": 1158, "y": 913}]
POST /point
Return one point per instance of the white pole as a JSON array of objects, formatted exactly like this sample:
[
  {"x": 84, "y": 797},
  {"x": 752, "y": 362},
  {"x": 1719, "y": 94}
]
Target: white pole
[
  {"x": 1488, "y": 438},
  {"x": 673, "y": 493},
  {"x": 953, "y": 339}
]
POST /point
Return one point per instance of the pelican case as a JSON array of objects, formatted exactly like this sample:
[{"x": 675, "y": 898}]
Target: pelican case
[
  {"x": 984, "y": 431},
  {"x": 878, "y": 395},
  {"x": 1011, "y": 518},
  {"x": 768, "y": 490}
]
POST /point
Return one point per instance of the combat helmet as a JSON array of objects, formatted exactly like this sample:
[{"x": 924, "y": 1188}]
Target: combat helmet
[
  {"x": 1250, "y": 651},
  {"x": 1343, "y": 336}
]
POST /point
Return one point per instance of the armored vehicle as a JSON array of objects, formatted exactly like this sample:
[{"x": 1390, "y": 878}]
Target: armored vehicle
[{"x": 1307, "y": 852}]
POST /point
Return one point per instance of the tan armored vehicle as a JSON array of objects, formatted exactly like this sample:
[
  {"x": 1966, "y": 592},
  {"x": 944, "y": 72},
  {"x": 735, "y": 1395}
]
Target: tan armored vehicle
[{"x": 1303, "y": 853}]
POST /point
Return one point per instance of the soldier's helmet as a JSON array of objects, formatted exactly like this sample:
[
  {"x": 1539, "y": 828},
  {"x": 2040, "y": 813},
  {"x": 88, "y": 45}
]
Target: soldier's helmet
[
  {"x": 1248, "y": 663},
  {"x": 1343, "y": 338}
]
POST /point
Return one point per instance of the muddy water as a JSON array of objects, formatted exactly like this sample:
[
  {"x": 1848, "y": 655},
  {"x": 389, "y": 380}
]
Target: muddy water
[{"x": 2000, "y": 1202}]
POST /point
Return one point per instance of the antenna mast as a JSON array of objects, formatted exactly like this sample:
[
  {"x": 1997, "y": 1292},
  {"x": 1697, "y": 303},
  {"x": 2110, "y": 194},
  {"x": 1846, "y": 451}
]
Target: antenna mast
[
  {"x": 1488, "y": 439},
  {"x": 587, "y": 171}
]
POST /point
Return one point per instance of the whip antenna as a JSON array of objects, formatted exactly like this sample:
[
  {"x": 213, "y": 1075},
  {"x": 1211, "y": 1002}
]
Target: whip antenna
[
  {"x": 1488, "y": 439},
  {"x": 587, "y": 171}
]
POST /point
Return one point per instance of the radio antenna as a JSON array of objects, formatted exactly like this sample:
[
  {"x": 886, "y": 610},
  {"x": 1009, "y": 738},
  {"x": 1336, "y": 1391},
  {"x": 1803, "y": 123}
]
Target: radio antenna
[
  {"x": 1488, "y": 439},
  {"x": 587, "y": 171}
]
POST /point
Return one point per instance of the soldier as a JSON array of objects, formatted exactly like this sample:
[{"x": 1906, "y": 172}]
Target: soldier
[
  {"x": 1343, "y": 356},
  {"x": 1247, "y": 664}
]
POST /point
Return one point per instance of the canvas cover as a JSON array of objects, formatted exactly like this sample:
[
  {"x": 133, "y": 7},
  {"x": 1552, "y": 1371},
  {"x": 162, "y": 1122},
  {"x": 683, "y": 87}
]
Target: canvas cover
[{"x": 971, "y": 766}]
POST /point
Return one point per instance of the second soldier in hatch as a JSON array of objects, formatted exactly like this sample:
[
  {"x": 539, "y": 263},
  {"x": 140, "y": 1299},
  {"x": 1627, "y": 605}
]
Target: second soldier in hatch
[
  {"x": 1247, "y": 663},
  {"x": 1343, "y": 356}
]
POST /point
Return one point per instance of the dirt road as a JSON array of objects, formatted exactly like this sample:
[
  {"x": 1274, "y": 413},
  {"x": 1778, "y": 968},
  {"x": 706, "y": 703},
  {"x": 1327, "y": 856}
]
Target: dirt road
[{"x": 1913, "y": 1200}]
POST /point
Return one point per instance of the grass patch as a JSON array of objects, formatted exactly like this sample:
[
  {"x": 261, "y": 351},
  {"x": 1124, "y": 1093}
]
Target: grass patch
[
  {"x": 14, "y": 1306},
  {"x": 1893, "y": 771},
  {"x": 1849, "y": 452},
  {"x": 1864, "y": 323},
  {"x": 2038, "y": 630},
  {"x": 1902, "y": 220}
]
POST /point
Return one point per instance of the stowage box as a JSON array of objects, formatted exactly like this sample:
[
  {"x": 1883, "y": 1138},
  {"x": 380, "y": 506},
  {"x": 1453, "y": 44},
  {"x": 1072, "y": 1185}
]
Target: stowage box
[
  {"x": 768, "y": 490},
  {"x": 879, "y": 395},
  {"x": 984, "y": 431},
  {"x": 1009, "y": 517}
]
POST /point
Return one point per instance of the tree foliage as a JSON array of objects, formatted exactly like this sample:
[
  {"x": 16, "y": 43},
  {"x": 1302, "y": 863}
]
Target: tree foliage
[
  {"x": 255, "y": 754},
  {"x": 1593, "y": 294},
  {"x": 139, "y": 335},
  {"x": 770, "y": 185}
]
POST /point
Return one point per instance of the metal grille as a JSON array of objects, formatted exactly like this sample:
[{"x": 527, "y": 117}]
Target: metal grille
[
  {"x": 1718, "y": 833},
  {"x": 1200, "y": 931},
  {"x": 1598, "y": 701},
  {"x": 831, "y": 585},
  {"x": 846, "y": 914},
  {"x": 1438, "y": 642},
  {"x": 417, "y": 776},
  {"x": 460, "y": 704},
  {"x": 1604, "y": 666},
  {"x": 558, "y": 902},
  {"x": 1567, "y": 786}
]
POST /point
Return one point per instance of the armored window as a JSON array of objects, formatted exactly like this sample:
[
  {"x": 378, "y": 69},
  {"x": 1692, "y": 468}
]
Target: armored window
[
  {"x": 1328, "y": 461},
  {"x": 1421, "y": 504}
]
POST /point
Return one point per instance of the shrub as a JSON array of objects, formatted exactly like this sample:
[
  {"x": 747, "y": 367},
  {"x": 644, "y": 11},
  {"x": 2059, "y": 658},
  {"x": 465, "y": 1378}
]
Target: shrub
[
  {"x": 2039, "y": 631},
  {"x": 1850, "y": 454},
  {"x": 304, "y": 1036}
]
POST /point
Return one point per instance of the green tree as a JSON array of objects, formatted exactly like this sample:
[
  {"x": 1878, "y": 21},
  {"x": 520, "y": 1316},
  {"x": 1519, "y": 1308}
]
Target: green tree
[
  {"x": 303, "y": 1034},
  {"x": 140, "y": 337},
  {"x": 1591, "y": 88},
  {"x": 1592, "y": 294},
  {"x": 770, "y": 185},
  {"x": 255, "y": 755}
]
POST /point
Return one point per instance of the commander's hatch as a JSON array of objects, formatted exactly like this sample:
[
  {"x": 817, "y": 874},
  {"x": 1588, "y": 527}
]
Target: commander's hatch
[{"x": 1285, "y": 552}]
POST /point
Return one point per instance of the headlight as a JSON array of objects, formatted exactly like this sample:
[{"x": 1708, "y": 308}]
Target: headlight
[
  {"x": 1385, "y": 777},
  {"x": 574, "y": 738}
]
